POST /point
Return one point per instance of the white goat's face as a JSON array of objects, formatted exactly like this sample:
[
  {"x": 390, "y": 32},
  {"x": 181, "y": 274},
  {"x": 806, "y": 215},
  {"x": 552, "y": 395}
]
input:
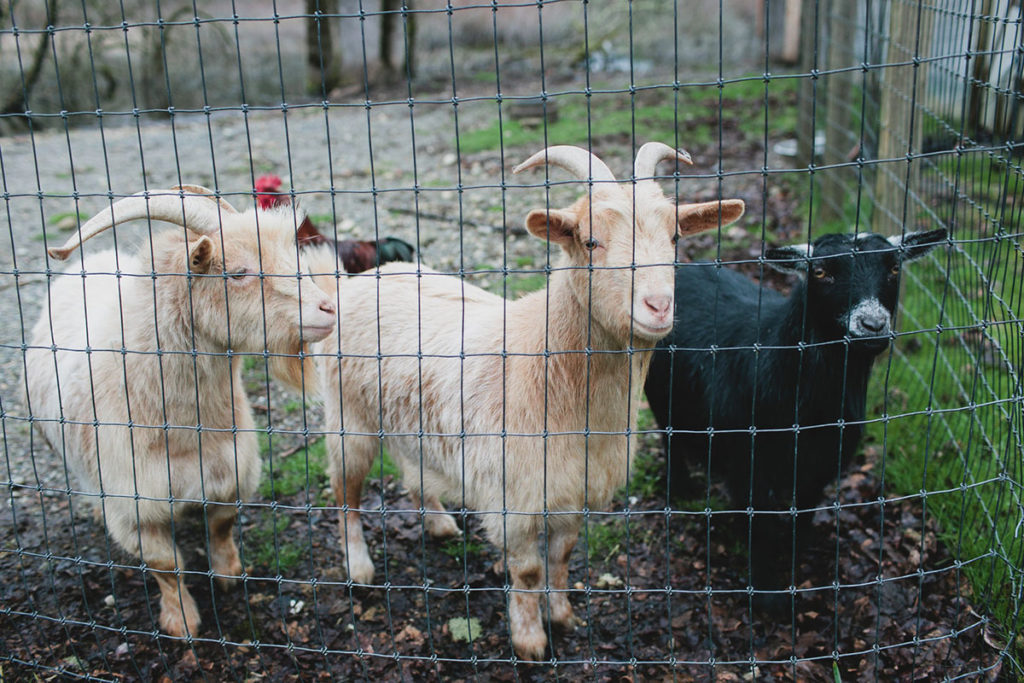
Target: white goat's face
[
  {"x": 256, "y": 296},
  {"x": 632, "y": 253},
  {"x": 626, "y": 252}
]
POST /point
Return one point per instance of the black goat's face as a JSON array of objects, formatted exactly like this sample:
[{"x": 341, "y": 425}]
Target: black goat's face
[{"x": 853, "y": 282}]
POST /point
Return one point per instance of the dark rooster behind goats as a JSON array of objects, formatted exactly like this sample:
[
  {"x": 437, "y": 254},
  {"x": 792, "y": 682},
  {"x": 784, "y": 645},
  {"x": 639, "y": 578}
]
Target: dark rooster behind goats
[{"x": 356, "y": 255}]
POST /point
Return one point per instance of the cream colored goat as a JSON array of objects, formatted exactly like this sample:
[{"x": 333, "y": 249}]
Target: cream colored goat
[
  {"x": 567, "y": 362},
  {"x": 156, "y": 409}
]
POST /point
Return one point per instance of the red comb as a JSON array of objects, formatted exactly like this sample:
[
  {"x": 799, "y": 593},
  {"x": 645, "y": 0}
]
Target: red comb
[{"x": 267, "y": 187}]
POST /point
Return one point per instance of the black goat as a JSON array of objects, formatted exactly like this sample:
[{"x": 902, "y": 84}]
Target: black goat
[{"x": 751, "y": 364}]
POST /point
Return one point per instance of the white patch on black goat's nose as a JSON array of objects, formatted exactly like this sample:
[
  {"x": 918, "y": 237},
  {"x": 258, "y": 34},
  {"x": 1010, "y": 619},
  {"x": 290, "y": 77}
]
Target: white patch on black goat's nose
[{"x": 869, "y": 318}]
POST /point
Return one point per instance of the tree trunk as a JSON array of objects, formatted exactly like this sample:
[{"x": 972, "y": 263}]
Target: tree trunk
[
  {"x": 387, "y": 29},
  {"x": 18, "y": 101},
  {"x": 324, "y": 65}
]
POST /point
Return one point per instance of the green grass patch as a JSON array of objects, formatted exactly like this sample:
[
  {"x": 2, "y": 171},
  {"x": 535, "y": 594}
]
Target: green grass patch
[
  {"x": 751, "y": 106},
  {"x": 309, "y": 465},
  {"x": 64, "y": 215},
  {"x": 266, "y": 544},
  {"x": 324, "y": 220},
  {"x": 575, "y": 126},
  {"x": 293, "y": 473},
  {"x": 383, "y": 467},
  {"x": 292, "y": 405},
  {"x": 647, "y": 478},
  {"x": 455, "y": 547},
  {"x": 515, "y": 285},
  {"x": 604, "y": 537}
]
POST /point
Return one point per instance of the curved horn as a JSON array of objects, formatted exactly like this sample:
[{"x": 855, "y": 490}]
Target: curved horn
[
  {"x": 653, "y": 153},
  {"x": 576, "y": 160},
  {"x": 197, "y": 213},
  {"x": 201, "y": 191}
]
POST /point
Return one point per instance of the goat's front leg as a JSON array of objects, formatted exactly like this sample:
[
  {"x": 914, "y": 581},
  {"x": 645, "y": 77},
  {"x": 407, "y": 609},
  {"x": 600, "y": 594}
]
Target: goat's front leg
[
  {"x": 527, "y": 571},
  {"x": 224, "y": 560},
  {"x": 561, "y": 541},
  {"x": 349, "y": 468}
]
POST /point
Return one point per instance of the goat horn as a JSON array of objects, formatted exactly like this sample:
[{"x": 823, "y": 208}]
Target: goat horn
[
  {"x": 201, "y": 191},
  {"x": 576, "y": 160},
  {"x": 653, "y": 153},
  {"x": 197, "y": 213}
]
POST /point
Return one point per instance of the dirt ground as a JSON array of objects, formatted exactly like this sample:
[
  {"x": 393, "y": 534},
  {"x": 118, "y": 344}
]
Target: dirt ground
[{"x": 666, "y": 601}]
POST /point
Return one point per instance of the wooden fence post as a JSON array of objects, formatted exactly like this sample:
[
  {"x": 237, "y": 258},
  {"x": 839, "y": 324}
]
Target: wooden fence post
[
  {"x": 902, "y": 94},
  {"x": 838, "y": 184}
]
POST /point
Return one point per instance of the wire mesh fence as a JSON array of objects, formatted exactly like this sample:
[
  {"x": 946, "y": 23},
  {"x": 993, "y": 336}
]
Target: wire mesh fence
[{"x": 203, "y": 416}]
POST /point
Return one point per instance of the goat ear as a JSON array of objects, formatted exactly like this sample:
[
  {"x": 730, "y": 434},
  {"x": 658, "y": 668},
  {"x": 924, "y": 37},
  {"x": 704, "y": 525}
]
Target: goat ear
[
  {"x": 791, "y": 259},
  {"x": 553, "y": 225},
  {"x": 914, "y": 245},
  {"x": 200, "y": 255},
  {"x": 695, "y": 218}
]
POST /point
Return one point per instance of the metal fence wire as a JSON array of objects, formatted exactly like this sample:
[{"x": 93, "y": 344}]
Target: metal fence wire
[{"x": 203, "y": 415}]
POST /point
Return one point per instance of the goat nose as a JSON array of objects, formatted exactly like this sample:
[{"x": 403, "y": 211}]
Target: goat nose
[
  {"x": 327, "y": 307},
  {"x": 660, "y": 305},
  {"x": 874, "y": 323}
]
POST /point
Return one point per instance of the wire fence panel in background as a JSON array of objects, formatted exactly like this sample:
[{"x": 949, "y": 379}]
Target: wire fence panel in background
[{"x": 203, "y": 417}]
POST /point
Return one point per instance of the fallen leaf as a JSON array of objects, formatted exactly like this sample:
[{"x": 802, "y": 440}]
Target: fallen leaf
[{"x": 464, "y": 629}]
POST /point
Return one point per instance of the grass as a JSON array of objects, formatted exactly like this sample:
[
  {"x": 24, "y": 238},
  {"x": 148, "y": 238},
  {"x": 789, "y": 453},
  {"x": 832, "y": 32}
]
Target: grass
[
  {"x": 455, "y": 547},
  {"x": 517, "y": 284},
  {"x": 324, "y": 220},
  {"x": 56, "y": 218},
  {"x": 309, "y": 465},
  {"x": 571, "y": 127},
  {"x": 611, "y": 115},
  {"x": 604, "y": 537},
  {"x": 293, "y": 473},
  {"x": 260, "y": 547}
]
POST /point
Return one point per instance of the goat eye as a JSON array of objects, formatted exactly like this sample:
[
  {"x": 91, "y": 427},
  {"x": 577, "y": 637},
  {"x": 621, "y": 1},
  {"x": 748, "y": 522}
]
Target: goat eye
[
  {"x": 591, "y": 244},
  {"x": 895, "y": 270},
  {"x": 675, "y": 238},
  {"x": 240, "y": 273},
  {"x": 819, "y": 273}
]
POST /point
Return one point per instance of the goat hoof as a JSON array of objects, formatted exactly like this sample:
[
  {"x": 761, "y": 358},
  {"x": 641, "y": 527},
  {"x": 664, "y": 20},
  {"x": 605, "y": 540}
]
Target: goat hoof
[
  {"x": 360, "y": 570},
  {"x": 443, "y": 526},
  {"x": 567, "y": 624},
  {"x": 180, "y": 620},
  {"x": 560, "y": 612},
  {"x": 531, "y": 647},
  {"x": 228, "y": 577}
]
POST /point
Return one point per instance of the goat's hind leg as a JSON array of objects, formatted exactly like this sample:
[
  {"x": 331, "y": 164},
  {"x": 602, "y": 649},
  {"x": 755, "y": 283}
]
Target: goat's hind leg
[
  {"x": 436, "y": 520},
  {"x": 561, "y": 541},
  {"x": 224, "y": 560},
  {"x": 527, "y": 571},
  {"x": 350, "y": 462}
]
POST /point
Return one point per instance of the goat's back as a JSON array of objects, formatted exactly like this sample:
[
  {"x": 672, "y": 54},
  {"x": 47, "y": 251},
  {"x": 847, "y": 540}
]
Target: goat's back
[{"x": 60, "y": 384}]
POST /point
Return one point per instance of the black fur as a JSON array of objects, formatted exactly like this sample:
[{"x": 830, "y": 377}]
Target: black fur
[{"x": 742, "y": 358}]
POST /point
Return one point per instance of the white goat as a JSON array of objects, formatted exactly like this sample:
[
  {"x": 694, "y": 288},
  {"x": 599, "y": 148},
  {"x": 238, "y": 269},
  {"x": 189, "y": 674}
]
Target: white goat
[
  {"x": 558, "y": 372},
  {"x": 131, "y": 375}
]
